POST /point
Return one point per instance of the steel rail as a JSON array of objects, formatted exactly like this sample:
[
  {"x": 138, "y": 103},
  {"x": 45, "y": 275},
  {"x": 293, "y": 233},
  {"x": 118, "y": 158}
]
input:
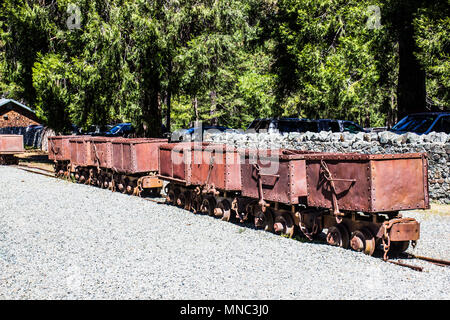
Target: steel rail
[{"x": 33, "y": 170}]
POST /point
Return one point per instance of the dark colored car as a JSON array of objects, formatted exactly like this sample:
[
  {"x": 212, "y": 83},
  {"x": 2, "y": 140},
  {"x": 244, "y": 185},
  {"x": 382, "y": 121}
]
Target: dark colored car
[
  {"x": 424, "y": 123},
  {"x": 74, "y": 130},
  {"x": 195, "y": 133},
  {"x": 120, "y": 130},
  {"x": 34, "y": 126},
  {"x": 303, "y": 125},
  {"x": 97, "y": 130},
  {"x": 339, "y": 126}
]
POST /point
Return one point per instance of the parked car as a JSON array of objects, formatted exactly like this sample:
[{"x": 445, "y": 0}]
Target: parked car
[
  {"x": 376, "y": 129},
  {"x": 339, "y": 126},
  {"x": 97, "y": 130},
  {"x": 34, "y": 126},
  {"x": 120, "y": 130},
  {"x": 424, "y": 123},
  {"x": 74, "y": 130},
  {"x": 195, "y": 134},
  {"x": 303, "y": 125}
]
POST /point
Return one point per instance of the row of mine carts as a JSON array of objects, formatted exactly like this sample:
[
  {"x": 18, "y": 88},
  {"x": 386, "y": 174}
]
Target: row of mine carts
[{"x": 356, "y": 197}]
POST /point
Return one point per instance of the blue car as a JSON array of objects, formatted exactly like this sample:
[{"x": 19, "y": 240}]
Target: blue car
[
  {"x": 120, "y": 130},
  {"x": 424, "y": 123}
]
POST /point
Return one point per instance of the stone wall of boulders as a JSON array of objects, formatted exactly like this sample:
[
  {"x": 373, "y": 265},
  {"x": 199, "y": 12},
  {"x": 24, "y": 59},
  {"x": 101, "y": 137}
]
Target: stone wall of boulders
[{"x": 437, "y": 145}]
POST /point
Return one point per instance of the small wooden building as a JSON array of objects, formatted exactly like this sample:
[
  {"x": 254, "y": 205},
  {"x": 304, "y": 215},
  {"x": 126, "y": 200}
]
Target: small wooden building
[{"x": 15, "y": 114}]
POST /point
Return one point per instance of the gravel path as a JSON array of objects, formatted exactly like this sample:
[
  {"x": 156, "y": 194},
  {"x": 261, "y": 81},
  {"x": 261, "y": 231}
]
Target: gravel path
[{"x": 60, "y": 240}]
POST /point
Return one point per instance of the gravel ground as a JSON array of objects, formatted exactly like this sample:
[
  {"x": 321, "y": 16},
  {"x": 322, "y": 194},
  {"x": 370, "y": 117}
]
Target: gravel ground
[{"x": 60, "y": 240}]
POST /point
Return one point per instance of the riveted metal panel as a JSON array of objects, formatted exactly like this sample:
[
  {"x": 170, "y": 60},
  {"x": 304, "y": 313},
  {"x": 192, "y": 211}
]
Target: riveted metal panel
[
  {"x": 368, "y": 183},
  {"x": 173, "y": 162},
  {"x": 11, "y": 144},
  {"x": 282, "y": 174},
  {"x": 80, "y": 151},
  {"x": 165, "y": 165},
  {"x": 137, "y": 155},
  {"x": 352, "y": 196},
  {"x": 398, "y": 184},
  {"x": 59, "y": 148},
  {"x": 216, "y": 165},
  {"x": 101, "y": 151},
  {"x": 405, "y": 231}
]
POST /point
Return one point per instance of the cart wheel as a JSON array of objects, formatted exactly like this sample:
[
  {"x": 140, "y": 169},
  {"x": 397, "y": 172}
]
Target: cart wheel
[
  {"x": 170, "y": 198},
  {"x": 398, "y": 247},
  {"x": 338, "y": 236},
  {"x": 208, "y": 205},
  {"x": 223, "y": 210},
  {"x": 196, "y": 202},
  {"x": 363, "y": 241},
  {"x": 264, "y": 219},
  {"x": 284, "y": 225},
  {"x": 180, "y": 200}
]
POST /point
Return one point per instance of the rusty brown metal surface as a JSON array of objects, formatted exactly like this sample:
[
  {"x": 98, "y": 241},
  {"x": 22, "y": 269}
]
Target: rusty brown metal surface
[
  {"x": 101, "y": 151},
  {"x": 439, "y": 262},
  {"x": 11, "y": 144},
  {"x": 80, "y": 151},
  {"x": 174, "y": 162},
  {"x": 149, "y": 182},
  {"x": 368, "y": 183},
  {"x": 286, "y": 185},
  {"x": 405, "y": 231},
  {"x": 59, "y": 148},
  {"x": 399, "y": 184},
  {"x": 217, "y": 166},
  {"x": 136, "y": 155}
]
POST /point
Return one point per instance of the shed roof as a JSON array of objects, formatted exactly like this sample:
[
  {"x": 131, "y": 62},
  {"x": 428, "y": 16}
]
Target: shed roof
[{"x": 4, "y": 101}]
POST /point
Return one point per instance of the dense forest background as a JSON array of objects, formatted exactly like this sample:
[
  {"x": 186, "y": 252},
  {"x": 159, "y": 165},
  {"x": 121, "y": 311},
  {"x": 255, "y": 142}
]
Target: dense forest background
[{"x": 225, "y": 62}]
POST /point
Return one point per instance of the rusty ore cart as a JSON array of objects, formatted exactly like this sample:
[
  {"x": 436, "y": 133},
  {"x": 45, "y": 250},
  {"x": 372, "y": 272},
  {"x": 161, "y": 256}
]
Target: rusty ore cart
[
  {"x": 120, "y": 164},
  {"x": 10, "y": 144},
  {"x": 356, "y": 197}
]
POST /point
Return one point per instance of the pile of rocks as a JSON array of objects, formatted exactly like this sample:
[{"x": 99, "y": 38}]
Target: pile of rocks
[{"x": 436, "y": 145}]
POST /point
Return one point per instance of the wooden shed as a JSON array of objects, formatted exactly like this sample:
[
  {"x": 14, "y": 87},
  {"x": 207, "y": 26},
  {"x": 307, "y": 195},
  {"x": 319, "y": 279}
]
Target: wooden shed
[{"x": 15, "y": 114}]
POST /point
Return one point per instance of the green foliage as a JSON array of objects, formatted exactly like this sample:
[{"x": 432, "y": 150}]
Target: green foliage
[
  {"x": 328, "y": 65},
  {"x": 224, "y": 62},
  {"x": 432, "y": 37},
  {"x": 50, "y": 77}
]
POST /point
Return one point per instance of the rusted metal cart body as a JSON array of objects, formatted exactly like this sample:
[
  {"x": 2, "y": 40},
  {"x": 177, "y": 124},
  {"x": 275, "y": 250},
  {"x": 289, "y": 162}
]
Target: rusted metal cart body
[
  {"x": 80, "y": 151},
  {"x": 174, "y": 163},
  {"x": 126, "y": 165},
  {"x": 101, "y": 151},
  {"x": 59, "y": 148},
  {"x": 216, "y": 166},
  {"x": 275, "y": 175},
  {"x": 137, "y": 155},
  {"x": 202, "y": 176},
  {"x": 367, "y": 183},
  {"x": 10, "y": 144},
  {"x": 201, "y": 164}
]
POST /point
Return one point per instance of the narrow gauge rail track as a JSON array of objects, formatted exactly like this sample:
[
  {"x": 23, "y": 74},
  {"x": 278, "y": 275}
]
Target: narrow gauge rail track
[
  {"x": 408, "y": 256},
  {"x": 37, "y": 170}
]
